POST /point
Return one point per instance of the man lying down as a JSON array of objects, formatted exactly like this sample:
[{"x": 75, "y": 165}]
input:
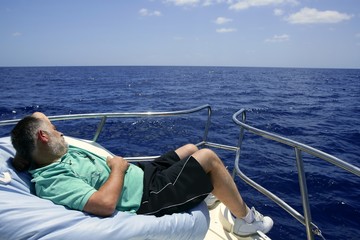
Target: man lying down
[{"x": 81, "y": 180}]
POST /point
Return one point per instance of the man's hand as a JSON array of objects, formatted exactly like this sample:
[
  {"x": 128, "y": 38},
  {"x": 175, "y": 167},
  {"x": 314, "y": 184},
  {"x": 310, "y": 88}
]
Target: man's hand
[
  {"x": 117, "y": 163},
  {"x": 103, "y": 202}
]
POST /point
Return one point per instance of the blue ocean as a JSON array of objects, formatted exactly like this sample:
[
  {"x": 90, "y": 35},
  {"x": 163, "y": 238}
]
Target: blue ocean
[{"x": 318, "y": 107}]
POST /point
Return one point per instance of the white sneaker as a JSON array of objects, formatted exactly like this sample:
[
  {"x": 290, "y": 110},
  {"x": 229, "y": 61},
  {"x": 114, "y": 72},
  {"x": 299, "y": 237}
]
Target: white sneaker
[
  {"x": 211, "y": 201},
  {"x": 241, "y": 228},
  {"x": 260, "y": 223}
]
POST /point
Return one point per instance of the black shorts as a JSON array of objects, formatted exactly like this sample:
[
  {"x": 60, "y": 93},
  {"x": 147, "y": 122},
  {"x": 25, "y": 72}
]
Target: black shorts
[{"x": 172, "y": 186}]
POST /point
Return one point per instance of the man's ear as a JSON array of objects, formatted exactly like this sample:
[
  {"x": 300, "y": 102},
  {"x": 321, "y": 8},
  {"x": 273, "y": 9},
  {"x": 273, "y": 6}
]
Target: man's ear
[{"x": 43, "y": 136}]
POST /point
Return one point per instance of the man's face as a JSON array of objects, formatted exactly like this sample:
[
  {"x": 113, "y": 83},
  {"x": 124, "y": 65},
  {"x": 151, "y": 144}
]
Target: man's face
[{"x": 57, "y": 144}]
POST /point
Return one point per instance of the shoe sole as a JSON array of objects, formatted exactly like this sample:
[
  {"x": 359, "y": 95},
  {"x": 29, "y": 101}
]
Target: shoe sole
[
  {"x": 225, "y": 218},
  {"x": 214, "y": 205},
  {"x": 227, "y": 222}
]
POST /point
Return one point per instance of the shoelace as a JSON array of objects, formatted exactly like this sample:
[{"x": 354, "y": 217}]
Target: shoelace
[{"x": 257, "y": 216}]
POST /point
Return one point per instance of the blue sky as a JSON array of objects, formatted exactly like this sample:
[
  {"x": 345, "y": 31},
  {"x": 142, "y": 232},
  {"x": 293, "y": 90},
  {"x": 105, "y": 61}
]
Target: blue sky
[{"x": 265, "y": 33}]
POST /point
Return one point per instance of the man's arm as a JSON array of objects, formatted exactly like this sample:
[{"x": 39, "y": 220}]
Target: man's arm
[{"x": 103, "y": 202}]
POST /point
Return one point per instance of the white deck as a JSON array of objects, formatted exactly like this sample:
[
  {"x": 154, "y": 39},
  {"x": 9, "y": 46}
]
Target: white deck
[{"x": 217, "y": 232}]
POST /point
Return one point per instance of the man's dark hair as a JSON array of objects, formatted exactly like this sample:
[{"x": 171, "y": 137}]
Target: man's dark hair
[{"x": 23, "y": 136}]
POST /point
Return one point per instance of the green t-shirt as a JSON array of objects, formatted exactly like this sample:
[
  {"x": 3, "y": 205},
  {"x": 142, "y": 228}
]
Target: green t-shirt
[{"x": 73, "y": 179}]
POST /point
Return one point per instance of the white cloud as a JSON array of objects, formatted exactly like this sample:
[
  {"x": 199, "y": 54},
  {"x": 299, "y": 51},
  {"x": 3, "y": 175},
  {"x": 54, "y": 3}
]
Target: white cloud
[
  {"x": 226, "y": 30},
  {"x": 208, "y": 3},
  {"x": 184, "y": 2},
  {"x": 16, "y": 34},
  {"x": 312, "y": 15},
  {"x": 278, "y": 38},
  {"x": 222, "y": 20},
  {"x": 193, "y": 3},
  {"x": 278, "y": 12},
  {"x": 212, "y": 2},
  {"x": 245, "y": 4},
  {"x": 146, "y": 13}
]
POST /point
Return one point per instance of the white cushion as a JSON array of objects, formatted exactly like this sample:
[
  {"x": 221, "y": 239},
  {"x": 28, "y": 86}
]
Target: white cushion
[{"x": 25, "y": 216}]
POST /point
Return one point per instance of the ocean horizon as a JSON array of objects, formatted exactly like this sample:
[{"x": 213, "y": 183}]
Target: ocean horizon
[{"x": 163, "y": 65}]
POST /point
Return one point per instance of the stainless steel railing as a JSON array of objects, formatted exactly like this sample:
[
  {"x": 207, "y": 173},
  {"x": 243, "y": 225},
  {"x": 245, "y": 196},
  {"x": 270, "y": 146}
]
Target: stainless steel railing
[
  {"x": 104, "y": 116},
  {"x": 311, "y": 228}
]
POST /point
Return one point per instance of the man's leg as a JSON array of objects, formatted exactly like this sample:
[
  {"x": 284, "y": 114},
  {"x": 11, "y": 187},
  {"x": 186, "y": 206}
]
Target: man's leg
[
  {"x": 224, "y": 186},
  {"x": 186, "y": 151},
  {"x": 175, "y": 182},
  {"x": 247, "y": 221}
]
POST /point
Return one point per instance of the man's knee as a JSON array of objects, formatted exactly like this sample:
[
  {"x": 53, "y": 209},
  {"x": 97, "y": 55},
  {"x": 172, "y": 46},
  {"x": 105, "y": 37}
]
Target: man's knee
[
  {"x": 186, "y": 150},
  {"x": 207, "y": 158},
  {"x": 191, "y": 147},
  {"x": 207, "y": 152}
]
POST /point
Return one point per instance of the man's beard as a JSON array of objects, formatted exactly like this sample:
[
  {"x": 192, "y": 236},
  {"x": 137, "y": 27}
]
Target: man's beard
[{"x": 58, "y": 146}]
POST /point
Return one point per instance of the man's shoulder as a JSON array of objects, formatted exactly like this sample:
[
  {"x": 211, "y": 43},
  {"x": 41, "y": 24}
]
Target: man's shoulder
[{"x": 52, "y": 169}]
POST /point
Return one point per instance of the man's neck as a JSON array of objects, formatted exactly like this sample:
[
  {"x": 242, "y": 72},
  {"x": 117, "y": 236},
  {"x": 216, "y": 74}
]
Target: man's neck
[{"x": 45, "y": 159}]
